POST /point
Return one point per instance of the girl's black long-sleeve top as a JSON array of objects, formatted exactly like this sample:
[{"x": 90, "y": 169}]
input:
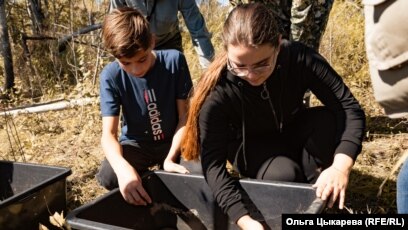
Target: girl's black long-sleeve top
[{"x": 233, "y": 101}]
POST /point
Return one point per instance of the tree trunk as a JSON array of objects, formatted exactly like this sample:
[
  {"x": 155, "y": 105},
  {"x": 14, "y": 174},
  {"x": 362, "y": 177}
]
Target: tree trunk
[
  {"x": 6, "y": 49},
  {"x": 37, "y": 17}
]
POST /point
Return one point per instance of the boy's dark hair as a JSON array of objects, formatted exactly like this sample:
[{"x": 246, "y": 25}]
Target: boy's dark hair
[{"x": 125, "y": 31}]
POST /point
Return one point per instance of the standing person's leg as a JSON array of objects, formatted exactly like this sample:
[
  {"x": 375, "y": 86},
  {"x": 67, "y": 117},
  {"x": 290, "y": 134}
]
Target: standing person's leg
[
  {"x": 173, "y": 43},
  {"x": 281, "y": 10},
  {"x": 402, "y": 189},
  {"x": 308, "y": 22},
  {"x": 302, "y": 19},
  {"x": 387, "y": 49},
  {"x": 140, "y": 156}
]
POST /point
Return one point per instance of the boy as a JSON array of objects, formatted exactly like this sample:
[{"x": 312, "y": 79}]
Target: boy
[{"x": 149, "y": 88}]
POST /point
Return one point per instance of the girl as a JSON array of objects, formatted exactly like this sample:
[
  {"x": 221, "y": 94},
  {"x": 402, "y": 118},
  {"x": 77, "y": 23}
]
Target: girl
[{"x": 248, "y": 109}]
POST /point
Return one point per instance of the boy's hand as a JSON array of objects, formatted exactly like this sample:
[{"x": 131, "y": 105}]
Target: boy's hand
[
  {"x": 130, "y": 186},
  {"x": 170, "y": 166}
]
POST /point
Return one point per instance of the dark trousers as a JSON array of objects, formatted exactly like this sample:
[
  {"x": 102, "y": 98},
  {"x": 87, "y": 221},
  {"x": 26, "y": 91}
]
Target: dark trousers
[
  {"x": 174, "y": 43},
  {"x": 140, "y": 155},
  {"x": 298, "y": 154}
]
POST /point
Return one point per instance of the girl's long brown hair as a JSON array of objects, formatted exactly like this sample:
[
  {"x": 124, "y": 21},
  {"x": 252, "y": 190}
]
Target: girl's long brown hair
[
  {"x": 190, "y": 145},
  {"x": 248, "y": 25}
]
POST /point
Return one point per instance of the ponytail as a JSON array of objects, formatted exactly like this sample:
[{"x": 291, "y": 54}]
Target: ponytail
[{"x": 190, "y": 141}]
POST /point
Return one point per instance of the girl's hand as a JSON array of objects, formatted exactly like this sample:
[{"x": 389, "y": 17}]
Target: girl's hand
[
  {"x": 246, "y": 222},
  {"x": 332, "y": 183}
]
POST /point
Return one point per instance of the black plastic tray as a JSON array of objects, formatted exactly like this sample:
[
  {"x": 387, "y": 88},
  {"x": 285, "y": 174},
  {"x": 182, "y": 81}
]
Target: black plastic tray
[
  {"x": 29, "y": 193},
  {"x": 183, "y": 201}
]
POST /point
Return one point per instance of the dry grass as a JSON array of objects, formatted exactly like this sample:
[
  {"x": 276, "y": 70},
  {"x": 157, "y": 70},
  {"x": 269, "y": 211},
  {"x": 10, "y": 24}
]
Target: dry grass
[
  {"x": 68, "y": 138},
  {"x": 71, "y": 137}
]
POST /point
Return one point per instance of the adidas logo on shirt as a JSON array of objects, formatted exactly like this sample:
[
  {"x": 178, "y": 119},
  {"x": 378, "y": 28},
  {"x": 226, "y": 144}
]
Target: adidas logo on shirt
[{"x": 154, "y": 115}]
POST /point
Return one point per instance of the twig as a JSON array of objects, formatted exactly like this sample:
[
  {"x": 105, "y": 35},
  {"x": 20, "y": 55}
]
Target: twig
[
  {"x": 62, "y": 43},
  {"x": 355, "y": 5},
  {"x": 395, "y": 168},
  {"x": 96, "y": 66},
  {"x": 10, "y": 135},
  {"x": 403, "y": 122},
  {"x": 17, "y": 140}
]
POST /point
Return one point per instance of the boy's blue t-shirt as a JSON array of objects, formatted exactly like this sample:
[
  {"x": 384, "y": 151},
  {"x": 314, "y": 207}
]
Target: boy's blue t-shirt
[{"x": 149, "y": 109}]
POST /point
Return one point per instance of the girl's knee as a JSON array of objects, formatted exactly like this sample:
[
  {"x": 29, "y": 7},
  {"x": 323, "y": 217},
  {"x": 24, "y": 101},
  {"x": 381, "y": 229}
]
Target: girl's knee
[{"x": 281, "y": 168}]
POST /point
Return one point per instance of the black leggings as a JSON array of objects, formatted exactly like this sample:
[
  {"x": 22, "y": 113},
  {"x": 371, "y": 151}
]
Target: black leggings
[{"x": 299, "y": 154}]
